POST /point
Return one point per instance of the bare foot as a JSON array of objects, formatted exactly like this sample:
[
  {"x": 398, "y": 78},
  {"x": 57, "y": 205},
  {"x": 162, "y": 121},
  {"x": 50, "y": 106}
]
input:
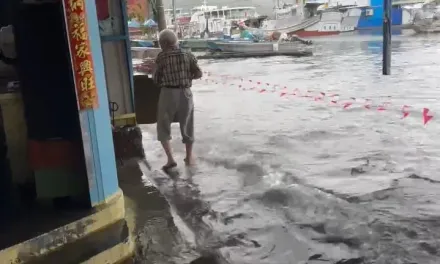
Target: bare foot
[
  {"x": 169, "y": 166},
  {"x": 189, "y": 161}
]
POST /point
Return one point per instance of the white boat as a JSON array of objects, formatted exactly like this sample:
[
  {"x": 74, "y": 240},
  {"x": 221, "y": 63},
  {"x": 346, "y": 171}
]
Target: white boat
[
  {"x": 218, "y": 20},
  {"x": 331, "y": 18},
  {"x": 203, "y": 8},
  {"x": 316, "y": 20},
  {"x": 427, "y": 18},
  {"x": 285, "y": 16},
  {"x": 169, "y": 15}
]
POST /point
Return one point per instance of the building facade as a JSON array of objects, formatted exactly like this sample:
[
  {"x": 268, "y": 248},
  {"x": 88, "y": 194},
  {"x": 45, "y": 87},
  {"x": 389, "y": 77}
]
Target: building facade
[{"x": 58, "y": 98}]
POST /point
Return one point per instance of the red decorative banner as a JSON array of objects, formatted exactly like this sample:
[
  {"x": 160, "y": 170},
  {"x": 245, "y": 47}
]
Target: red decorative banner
[
  {"x": 79, "y": 44},
  {"x": 322, "y": 97}
]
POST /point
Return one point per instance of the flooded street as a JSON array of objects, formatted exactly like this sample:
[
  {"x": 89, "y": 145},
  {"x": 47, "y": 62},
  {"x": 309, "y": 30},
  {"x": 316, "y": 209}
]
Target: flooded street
[{"x": 298, "y": 179}]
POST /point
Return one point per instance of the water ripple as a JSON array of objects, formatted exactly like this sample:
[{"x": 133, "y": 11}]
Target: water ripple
[{"x": 342, "y": 186}]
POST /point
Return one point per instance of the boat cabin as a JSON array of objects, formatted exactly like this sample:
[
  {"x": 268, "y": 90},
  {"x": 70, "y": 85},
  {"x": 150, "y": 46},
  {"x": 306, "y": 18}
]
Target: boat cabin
[
  {"x": 203, "y": 8},
  {"x": 231, "y": 13}
]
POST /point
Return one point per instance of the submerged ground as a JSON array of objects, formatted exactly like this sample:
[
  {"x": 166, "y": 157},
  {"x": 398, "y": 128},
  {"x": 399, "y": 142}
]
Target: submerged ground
[{"x": 289, "y": 179}]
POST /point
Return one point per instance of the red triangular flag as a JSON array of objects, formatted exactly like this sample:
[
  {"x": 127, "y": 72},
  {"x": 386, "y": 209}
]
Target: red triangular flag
[
  {"x": 426, "y": 116},
  {"x": 405, "y": 111},
  {"x": 347, "y": 105}
]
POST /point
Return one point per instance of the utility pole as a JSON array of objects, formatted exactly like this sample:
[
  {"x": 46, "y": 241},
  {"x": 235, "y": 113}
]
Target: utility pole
[
  {"x": 386, "y": 52},
  {"x": 174, "y": 16},
  {"x": 161, "y": 23}
]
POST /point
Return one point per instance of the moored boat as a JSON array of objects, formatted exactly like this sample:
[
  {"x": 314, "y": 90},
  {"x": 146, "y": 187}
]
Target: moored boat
[
  {"x": 218, "y": 21},
  {"x": 427, "y": 19},
  {"x": 313, "y": 20},
  {"x": 249, "y": 48},
  {"x": 427, "y": 26},
  {"x": 329, "y": 22},
  {"x": 195, "y": 44}
]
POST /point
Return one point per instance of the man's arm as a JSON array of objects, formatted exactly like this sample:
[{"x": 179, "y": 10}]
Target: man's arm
[
  {"x": 194, "y": 67},
  {"x": 157, "y": 73}
]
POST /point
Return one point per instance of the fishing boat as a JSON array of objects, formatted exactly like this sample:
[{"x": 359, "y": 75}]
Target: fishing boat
[
  {"x": 169, "y": 15},
  {"x": 218, "y": 21},
  {"x": 209, "y": 23},
  {"x": 328, "y": 21},
  {"x": 195, "y": 44},
  {"x": 250, "y": 48},
  {"x": 427, "y": 19},
  {"x": 284, "y": 15},
  {"x": 313, "y": 20}
]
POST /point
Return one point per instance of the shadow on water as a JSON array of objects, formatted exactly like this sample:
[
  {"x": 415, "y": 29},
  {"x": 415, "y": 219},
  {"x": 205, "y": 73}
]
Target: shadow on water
[
  {"x": 157, "y": 238},
  {"x": 184, "y": 197}
]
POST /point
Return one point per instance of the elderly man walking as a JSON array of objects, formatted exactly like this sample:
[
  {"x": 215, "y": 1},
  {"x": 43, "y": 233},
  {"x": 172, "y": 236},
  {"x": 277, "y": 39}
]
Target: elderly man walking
[{"x": 175, "y": 70}]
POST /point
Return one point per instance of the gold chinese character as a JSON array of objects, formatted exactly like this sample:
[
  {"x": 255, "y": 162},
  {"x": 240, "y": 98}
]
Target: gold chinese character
[
  {"x": 87, "y": 83},
  {"x": 87, "y": 100},
  {"x": 82, "y": 50},
  {"x": 79, "y": 31},
  {"x": 77, "y": 27},
  {"x": 85, "y": 67},
  {"x": 76, "y": 5}
]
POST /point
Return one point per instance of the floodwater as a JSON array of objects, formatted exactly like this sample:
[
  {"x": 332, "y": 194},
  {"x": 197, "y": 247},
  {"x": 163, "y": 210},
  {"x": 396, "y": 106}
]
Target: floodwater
[{"x": 290, "y": 179}]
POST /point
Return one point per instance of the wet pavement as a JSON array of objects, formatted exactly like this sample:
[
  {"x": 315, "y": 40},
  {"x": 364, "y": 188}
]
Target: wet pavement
[
  {"x": 150, "y": 219},
  {"x": 292, "y": 180}
]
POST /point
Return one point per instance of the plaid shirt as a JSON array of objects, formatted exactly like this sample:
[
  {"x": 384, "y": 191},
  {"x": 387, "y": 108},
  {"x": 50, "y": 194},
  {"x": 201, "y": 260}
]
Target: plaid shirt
[{"x": 175, "y": 68}]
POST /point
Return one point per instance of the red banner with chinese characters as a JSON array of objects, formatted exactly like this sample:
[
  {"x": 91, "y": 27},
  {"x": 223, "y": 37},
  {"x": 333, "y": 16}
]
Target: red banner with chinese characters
[{"x": 77, "y": 32}]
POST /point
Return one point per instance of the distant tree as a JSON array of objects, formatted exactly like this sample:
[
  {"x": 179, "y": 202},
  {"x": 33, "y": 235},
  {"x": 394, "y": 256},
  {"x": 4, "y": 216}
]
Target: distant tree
[{"x": 137, "y": 9}]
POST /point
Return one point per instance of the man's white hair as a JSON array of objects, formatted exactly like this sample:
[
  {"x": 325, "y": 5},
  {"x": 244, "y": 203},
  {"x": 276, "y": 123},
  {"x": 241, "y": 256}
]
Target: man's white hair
[{"x": 167, "y": 39}]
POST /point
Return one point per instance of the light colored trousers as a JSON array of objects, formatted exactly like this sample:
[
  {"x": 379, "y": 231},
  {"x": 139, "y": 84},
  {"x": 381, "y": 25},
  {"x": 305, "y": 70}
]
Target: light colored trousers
[{"x": 175, "y": 104}]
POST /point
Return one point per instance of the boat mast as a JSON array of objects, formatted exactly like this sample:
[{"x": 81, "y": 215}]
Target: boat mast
[
  {"x": 275, "y": 8},
  {"x": 205, "y": 9}
]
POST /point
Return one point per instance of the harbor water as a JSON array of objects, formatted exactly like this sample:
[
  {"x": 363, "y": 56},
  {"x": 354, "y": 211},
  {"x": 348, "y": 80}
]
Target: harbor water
[{"x": 289, "y": 179}]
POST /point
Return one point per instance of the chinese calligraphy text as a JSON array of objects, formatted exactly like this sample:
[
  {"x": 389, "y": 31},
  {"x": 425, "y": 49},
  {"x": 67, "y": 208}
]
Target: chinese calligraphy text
[{"x": 82, "y": 60}]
